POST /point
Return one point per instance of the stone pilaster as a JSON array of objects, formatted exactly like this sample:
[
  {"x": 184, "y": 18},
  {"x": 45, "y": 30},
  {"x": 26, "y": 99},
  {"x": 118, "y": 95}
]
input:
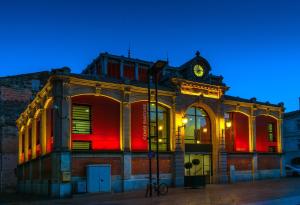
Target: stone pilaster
[
  {"x": 33, "y": 139},
  {"x": 43, "y": 126},
  {"x": 136, "y": 71},
  {"x": 254, "y": 166},
  {"x": 61, "y": 156},
  {"x": 26, "y": 143},
  {"x": 20, "y": 142},
  {"x": 121, "y": 69},
  {"x": 126, "y": 131}
]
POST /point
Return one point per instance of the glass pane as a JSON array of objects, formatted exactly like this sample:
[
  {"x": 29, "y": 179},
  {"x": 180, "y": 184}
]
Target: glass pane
[
  {"x": 197, "y": 161},
  {"x": 206, "y": 165},
  {"x": 270, "y": 127},
  {"x": 81, "y": 119},
  {"x": 189, "y": 137},
  {"x": 190, "y": 111}
]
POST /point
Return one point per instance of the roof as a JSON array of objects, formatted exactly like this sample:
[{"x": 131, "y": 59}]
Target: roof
[
  {"x": 295, "y": 113},
  {"x": 251, "y": 100}
]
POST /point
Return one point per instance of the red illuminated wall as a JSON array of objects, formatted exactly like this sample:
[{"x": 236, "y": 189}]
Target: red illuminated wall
[
  {"x": 129, "y": 71},
  {"x": 143, "y": 74},
  {"x": 139, "y": 126},
  {"x": 113, "y": 69},
  {"x": 105, "y": 116},
  {"x": 237, "y": 137},
  {"x": 262, "y": 142}
]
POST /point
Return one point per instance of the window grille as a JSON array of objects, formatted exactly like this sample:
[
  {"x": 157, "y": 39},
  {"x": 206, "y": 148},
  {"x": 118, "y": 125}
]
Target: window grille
[{"x": 81, "y": 119}]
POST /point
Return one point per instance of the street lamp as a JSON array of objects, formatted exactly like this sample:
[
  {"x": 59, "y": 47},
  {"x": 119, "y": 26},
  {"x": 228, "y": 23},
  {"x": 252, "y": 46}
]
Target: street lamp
[{"x": 153, "y": 73}]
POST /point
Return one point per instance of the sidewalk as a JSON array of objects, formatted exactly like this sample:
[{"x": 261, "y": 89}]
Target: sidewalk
[{"x": 265, "y": 192}]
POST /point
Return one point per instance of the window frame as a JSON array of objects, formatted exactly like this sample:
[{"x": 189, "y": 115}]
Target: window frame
[
  {"x": 195, "y": 118},
  {"x": 90, "y": 118},
  {"x": 273, "y": 139},
  {"x": 166, "y": 112}
]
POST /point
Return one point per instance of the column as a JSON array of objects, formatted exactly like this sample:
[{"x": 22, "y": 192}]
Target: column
[
  {"x": 253, "y": 133},
  {"x": 104, "y": 66},
  {"x": 61, "y": 155},
  {"x": 136, "y": 71},
  {"x": 43, "y": 126},
  {"x": 26, "y": 144},
  {"x": 222, "y": 161},
  {"x": 121, "y": 69},
  {"x": 253, "y": 146},
  {"x": 33, "y": 139},
  {"x": 126, "y": 138},
  {"x": 178, "y": 166},
  {"x": 279, "y": 134},
  {"x": 20, "y": 145}
]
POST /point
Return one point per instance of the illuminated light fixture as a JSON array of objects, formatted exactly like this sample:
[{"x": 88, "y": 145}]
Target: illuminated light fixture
[
  {"x": 228, "y": 124},
  {"x": 184, "y": 120},
  {"x": 87, "y": 110},
  {"x": 204, "y": 129},
  {"x": 160, "y": 140},
  {"x": 152, "y": 104},
  {"x": 198, "y": 141},
  {"x": 160, "y": 128}
]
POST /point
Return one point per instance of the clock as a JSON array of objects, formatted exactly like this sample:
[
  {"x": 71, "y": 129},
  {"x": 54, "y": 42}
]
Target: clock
[{"x": 198, "y": 70}]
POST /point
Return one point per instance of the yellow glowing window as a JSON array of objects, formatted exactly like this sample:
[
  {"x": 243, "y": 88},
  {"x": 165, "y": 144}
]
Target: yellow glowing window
[
  {"x": 271, "y": 137},
  {"x": 81, "y": 122},
  {"x": 81, "y": 145}
]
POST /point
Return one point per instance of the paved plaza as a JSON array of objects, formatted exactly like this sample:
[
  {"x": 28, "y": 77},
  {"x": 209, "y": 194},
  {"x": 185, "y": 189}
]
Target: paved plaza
[{"x": 266, "y": 192}]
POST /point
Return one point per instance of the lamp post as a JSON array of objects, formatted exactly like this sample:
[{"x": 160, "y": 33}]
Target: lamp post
[{"x": 153, "y": 73}]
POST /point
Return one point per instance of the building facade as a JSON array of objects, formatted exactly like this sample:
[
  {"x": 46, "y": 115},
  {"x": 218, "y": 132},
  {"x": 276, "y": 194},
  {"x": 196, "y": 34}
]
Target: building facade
[
  {"x": 291, "y": 137},
  {"x": 98, "y": 120},
  {"x": 16, "y": 92}
]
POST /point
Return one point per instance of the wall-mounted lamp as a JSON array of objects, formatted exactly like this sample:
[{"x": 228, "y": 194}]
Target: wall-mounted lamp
[
  {"x": 228, "y": 124},
  {"x": 184, "y": 120}
]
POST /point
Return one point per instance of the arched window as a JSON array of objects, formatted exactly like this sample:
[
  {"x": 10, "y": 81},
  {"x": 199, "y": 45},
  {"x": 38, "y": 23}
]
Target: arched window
[
  {"x": 198, "y": 127},
  {"x": 139, "y": 127}
]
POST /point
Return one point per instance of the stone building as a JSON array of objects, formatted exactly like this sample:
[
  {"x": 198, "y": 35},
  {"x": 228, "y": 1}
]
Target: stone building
[
  {"x": 16, "y": 92},
  {"x": 291, "y": 137},
  {"x": 89, "y": 131}
]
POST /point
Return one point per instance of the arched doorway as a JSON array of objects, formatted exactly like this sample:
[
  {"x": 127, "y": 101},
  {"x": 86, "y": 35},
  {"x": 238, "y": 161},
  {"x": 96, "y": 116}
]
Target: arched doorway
[{"x": 198, "y": 146}]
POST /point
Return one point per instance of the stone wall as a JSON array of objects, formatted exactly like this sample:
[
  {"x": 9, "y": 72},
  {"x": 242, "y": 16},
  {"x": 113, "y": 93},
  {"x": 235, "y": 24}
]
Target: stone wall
[{"x": 16, "y": 92}]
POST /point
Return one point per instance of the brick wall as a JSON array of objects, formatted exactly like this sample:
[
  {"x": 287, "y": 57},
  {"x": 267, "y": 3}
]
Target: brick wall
[
  {"x": 241, "y": 163},
  {"x": 140, "y": 165},
  {"x": 79, "y": 164},
  {"x": 265, "y": 162},
  {"x": 15, "y": 94}
]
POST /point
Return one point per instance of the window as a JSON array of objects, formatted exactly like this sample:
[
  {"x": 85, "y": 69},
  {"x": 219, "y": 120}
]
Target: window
[
  {"x": 163, "y": 128},
  {"x": 197, "y": 130},
  {"x": 271, "y": 137},
  {"x": 81, "y": 119}
]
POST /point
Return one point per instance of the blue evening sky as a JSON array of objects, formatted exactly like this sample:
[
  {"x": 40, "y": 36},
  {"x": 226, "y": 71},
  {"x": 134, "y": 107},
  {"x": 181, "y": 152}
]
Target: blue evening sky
[{"x": 254, "y": 44}]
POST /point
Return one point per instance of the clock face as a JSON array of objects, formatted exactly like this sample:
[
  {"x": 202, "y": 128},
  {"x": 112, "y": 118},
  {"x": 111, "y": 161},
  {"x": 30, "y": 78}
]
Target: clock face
[{"x": 198, "y": 70}]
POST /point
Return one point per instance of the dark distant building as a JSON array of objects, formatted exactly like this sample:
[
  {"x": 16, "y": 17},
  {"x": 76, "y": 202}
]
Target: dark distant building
[
  {"x": 16, "y": 92},
  {"x": 89, "y": 131},
  {"x": 291, "y": 137}
]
